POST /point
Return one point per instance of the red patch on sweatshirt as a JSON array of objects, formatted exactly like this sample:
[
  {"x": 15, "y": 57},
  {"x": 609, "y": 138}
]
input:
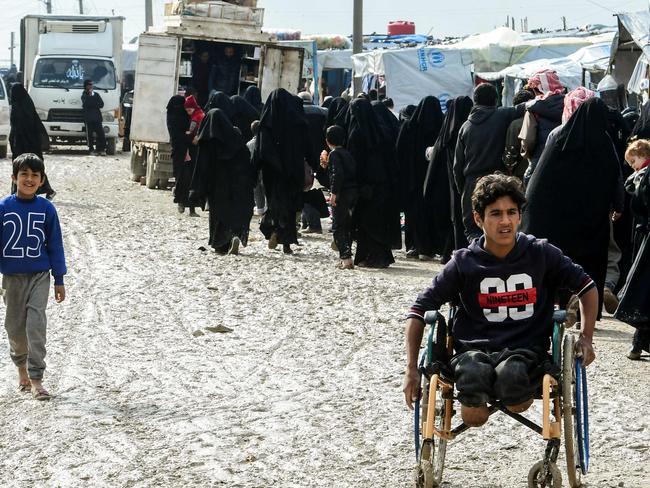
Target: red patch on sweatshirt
[{"x": 517, "y": 298}]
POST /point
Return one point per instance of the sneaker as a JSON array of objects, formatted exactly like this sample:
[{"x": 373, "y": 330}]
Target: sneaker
[
  {"x": 425, "y": 257},
  {"x": 610, "y": 300},
  {"x": 412, "y": 254},
  {"x": 572, "y": 311},
  {"x": 273, "y": 241},
  {"x": 634, "y": 354},
  {"x": 234, "y": 246},
  {"x": 309, "y": 230},
  {"x": 286, "y": 248}
]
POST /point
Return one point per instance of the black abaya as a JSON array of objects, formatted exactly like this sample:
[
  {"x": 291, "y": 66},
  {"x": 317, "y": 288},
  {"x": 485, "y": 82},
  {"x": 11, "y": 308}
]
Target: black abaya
[
  {"x": 375, "y": 219},
  {"x": 416, "y": 135},
  {"x": 447, "y": 219},
  {"x": 281, "y": 150},
  {"x": 572, "y": 190},
  {"x": 253, "y": 95},
  {"x": 178, "y": 123},
  {"x": 27, "y": 133},
  {"x": 224, "y": 177}
]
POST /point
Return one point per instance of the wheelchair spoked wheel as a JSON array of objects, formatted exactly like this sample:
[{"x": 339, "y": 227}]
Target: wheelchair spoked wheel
[
  {"x": 432, "y": 451},
  {"x": 574, "y": 413},
  {"x": 536, "y": 478}
]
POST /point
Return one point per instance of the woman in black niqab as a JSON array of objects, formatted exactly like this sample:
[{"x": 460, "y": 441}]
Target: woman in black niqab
[
  {"x": 27, "y": 133},
  {"x": 571, "y": 193},
  {"x": 439, "y": 181},
  {"x": 337, "y": 113},
  {"x": 641, "y": 128},
  {"x": 244, "y": 115},
  {"x": 178, "y": 123},
  {"x": 416, "y": 135},
  {"x": 376, "y": 215},
  {"x": 253, "y": 95},
  {"x": 225, "y": 178},
  {"x": 281, "y": 150}
]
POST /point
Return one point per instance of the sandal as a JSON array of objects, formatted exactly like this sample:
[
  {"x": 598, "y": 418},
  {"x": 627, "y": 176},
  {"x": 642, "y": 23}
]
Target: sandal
[
  {"x": 24, "y": 385},
  {"x": 40, "y": 394}
]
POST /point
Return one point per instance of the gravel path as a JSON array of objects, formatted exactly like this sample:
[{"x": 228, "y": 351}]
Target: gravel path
[{"x": 304, "y": 392}]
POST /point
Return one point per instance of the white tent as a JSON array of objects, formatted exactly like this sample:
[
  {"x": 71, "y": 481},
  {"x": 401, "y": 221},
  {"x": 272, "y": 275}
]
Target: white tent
[{"x": 413, "y": 73}]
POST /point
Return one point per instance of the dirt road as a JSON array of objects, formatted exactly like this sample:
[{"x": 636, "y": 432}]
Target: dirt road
[{"x": 304, "y": 392}]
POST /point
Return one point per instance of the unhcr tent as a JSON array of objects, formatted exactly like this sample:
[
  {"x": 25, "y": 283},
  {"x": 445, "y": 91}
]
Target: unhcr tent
[{"x": 413, "y": 73}]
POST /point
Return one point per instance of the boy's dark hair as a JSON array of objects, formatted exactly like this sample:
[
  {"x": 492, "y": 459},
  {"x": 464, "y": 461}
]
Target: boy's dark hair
[
  {"x": 335, "y": 135},
  {"x": 485, "y": 94},
  {"x": 492, "y": 187},
  {"x": 373, "y": 95},
  {"x": 87, "y": 82},
  {"x": 255, "y": 127},
  {"x": 522, "y": 96},
  {"x": 389, "y": 102},
  {"x": 28, "y": 160}
]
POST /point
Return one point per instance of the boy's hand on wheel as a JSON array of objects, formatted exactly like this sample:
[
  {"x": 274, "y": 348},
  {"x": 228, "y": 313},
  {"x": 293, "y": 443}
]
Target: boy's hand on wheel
[
  {"x": 411, "y": 386},
  {"x": 585, "y": 350},
  {"x": 59, "y": 293}
]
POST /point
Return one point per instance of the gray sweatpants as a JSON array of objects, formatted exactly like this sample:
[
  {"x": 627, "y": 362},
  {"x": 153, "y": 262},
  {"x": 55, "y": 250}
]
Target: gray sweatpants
[{"x": 25, "y": 297}]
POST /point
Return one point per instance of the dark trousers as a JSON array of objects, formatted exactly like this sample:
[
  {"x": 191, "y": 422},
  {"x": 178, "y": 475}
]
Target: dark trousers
[
  {"x": 342, "y": 224},
  {"x": 509, "y": 375},
  {"x": 95, "y": 136},
  {"x": 311, "y": 217}
]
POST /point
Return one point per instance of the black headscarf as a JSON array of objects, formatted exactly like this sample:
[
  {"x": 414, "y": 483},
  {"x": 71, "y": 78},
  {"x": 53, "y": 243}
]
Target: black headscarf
[
  {"x": 388, "y": 121},
  {"x": 221, "y": 101},
  {"x": 245, "y": 114},
  {"x": 641, "y": 129},
  {"x": 253, "y": 95},
  {"x": 178, "y": 122},
  {"x": 337, "y": 113},
  {"x": 27, "y": 133},
  {"x": 457, "y": 113},
  {"x": 406, "y": 113},
  {"x": 217, "y": 127},
  {"x": 571, "y": 192}
]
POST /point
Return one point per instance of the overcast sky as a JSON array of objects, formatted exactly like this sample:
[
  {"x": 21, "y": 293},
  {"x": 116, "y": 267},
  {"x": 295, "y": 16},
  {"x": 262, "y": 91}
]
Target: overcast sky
[{"x": 439, "y": 18}]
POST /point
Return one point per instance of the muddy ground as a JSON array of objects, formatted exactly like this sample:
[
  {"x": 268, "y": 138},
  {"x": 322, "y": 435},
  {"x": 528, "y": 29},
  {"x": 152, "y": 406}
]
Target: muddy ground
[{"x": 304, "y": 392}]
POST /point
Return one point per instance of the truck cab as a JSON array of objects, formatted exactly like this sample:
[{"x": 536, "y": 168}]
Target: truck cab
[
  {"x": 4, "y": 118},
  {"x": 57, "y": 54}
]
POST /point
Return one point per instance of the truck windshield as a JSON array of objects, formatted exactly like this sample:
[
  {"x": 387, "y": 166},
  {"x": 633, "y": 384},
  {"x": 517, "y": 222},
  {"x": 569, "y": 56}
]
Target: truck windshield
[
  {"x": 2, "y": 91},
  {"x": 71, "y": 73}
]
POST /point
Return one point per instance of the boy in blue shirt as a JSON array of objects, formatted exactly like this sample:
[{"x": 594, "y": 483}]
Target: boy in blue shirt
[{"x": 30, "y": 246}]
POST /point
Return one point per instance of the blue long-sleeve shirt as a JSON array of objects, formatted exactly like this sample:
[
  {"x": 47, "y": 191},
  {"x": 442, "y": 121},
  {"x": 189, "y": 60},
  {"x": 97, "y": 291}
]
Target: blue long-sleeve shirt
[{"x": 30, "y": 238}]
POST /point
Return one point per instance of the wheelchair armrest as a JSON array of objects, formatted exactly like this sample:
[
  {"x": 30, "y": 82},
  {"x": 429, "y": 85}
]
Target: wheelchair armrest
[
  {"x": 559, "y": 316},
  {"x": 431, "y": 316}
]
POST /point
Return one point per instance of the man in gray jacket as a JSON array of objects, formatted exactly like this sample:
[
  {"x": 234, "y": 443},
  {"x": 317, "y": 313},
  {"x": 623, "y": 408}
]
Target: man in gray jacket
[{"x": 479, "y": 151}]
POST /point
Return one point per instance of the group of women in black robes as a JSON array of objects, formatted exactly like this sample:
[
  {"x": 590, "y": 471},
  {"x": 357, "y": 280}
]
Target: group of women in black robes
[
  {"x": 27, "y": 134},
  {"x": 416, "y": 135},
  {"x": 178, "y": 124}
]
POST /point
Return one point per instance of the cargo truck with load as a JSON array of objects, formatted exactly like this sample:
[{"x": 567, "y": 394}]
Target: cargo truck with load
[
  {"x": 57, "y": 53},
  {"x": 168, "y": 57}
]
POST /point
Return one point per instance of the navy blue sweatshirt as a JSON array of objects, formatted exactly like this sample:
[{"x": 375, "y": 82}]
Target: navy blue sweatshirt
[
  {"x": 30, "y": 238},
  {"x": 504, "y": 303}
]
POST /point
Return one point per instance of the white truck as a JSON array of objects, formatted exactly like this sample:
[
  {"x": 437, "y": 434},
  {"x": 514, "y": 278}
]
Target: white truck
[
  {"x": 57, "y": 53},
  {"x": 165, "y": 61},
  {"x": 4, "y": 119}
]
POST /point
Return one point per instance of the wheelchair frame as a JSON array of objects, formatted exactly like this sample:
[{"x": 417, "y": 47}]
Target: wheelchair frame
[{"x": 563, "y": 399}]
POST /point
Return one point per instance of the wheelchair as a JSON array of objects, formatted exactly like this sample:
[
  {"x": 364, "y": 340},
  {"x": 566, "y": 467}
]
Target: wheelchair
[{"x": 564, "y": 399}]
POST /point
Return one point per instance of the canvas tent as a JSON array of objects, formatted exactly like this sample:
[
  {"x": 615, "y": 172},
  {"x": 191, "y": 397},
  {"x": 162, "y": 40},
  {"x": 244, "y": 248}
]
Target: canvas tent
[
  {"x": 413, "y": 73},
  {"x": 631, "y": 50}
]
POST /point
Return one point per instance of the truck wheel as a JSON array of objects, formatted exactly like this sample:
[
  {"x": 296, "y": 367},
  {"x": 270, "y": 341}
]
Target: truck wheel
[
  {"x": 110, "y": 146},
  {"x": 137, "y": 165},
  {"x": 150, "y": 180},
  {"x": 3, "y": 152}
]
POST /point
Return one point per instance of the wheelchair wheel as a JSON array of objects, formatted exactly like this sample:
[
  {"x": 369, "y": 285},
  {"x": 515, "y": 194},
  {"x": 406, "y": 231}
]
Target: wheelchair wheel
[
  {"x": 431, "y": 460},
  {"x": 536, "y": 477},
  {"x": 574, "y": 413}
]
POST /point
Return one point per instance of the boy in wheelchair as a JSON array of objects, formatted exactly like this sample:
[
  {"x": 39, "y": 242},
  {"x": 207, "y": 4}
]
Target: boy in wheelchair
[{"x": 505, "y": 284}]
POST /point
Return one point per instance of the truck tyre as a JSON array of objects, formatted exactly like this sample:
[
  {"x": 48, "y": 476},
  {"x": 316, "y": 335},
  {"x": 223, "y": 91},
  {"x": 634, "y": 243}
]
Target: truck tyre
[
  {"x": 110, "y": 146},
  {"x": 3, "y": 152},
  {"x": 137, "y": 165},
  {"x": 150, "y": 181}
]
